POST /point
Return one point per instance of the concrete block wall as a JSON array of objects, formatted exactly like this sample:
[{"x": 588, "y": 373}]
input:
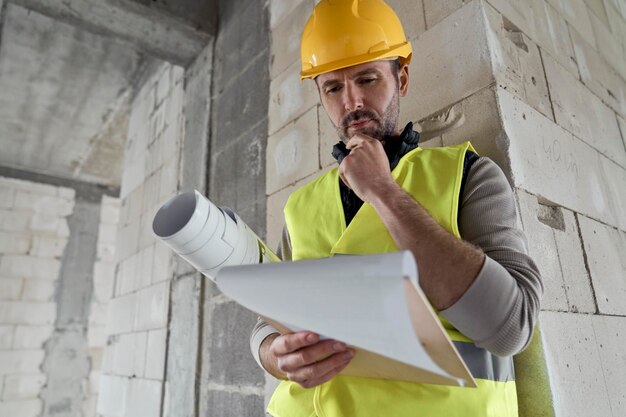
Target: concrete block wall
[
  {"x": 132, "y": 380},
  {"x": 34, "y": 233},
  {"x": 103, "y": 285},
  {"x": 538, "y": 86},
  {"x": 231, "y": 381}
]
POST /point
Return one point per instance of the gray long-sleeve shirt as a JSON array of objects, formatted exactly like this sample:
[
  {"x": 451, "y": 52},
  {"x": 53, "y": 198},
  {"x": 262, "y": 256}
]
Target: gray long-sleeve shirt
[{"x": 500, "y": 308}]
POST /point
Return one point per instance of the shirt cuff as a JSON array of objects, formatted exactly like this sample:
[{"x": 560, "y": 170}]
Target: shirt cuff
[
  {"x": 258, "y": 337},
  {"x": 486, "y": 305}
]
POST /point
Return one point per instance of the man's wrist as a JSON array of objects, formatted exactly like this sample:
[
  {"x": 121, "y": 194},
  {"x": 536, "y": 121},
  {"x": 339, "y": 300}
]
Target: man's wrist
[{"x": 268, "y": 362}]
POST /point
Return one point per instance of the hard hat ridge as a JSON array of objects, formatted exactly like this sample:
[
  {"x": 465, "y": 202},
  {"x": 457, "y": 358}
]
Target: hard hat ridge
[{"x": 343, "y": 33}]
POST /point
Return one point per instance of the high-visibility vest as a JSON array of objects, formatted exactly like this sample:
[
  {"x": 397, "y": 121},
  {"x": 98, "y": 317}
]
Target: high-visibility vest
[{"x": 316, "y": 224}]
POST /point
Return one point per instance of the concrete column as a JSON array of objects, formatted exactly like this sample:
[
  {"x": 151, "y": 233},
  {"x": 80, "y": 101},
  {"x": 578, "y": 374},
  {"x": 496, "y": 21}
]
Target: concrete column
[{"x": 67, "y": 357}]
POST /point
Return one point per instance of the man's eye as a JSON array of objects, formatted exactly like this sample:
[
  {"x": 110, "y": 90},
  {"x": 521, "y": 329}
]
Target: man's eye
[
  {"x": 367, "y": 80},
  {"x": 330, "y": 90}
]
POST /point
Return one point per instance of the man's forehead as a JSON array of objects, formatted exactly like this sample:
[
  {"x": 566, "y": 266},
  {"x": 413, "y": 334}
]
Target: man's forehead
[{"x": 353, "y": 71}]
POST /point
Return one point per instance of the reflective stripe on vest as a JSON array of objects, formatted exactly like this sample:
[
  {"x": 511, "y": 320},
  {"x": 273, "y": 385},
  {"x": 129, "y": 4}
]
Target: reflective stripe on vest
[{"x": 316, "y": 224}]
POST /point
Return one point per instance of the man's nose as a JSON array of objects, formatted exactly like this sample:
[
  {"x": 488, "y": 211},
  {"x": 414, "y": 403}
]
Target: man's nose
[{"x": 353, "y": 99}]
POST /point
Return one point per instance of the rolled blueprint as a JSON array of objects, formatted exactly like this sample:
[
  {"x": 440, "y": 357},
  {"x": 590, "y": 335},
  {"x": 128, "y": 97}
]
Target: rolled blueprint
[{"x": 207, "y": 236}]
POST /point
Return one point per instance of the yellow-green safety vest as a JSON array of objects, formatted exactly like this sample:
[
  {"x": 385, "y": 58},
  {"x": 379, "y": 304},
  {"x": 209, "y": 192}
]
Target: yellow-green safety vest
[{"x": 316, "y": 223}]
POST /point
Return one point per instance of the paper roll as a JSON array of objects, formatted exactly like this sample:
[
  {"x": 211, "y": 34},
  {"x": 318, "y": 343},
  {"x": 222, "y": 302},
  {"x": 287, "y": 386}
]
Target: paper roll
[{"x": 206, "y": 236}]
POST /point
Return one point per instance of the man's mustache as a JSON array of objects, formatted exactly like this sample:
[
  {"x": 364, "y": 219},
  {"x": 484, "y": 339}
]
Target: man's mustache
[{"x": 357, "y": 115}]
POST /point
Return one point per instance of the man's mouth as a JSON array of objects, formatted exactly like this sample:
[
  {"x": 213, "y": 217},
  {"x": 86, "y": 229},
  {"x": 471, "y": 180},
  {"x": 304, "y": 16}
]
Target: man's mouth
[{"x": 359, "y": 124}]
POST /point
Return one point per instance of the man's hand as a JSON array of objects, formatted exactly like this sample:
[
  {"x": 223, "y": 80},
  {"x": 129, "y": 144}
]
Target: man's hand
[
  {"x": 366, "y": 169},
  {"x": 301, "y": 357}
]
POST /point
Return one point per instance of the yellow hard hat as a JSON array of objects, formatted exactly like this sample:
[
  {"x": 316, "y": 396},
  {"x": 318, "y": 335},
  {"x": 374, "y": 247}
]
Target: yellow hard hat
[{"x": 343, "y": 33}]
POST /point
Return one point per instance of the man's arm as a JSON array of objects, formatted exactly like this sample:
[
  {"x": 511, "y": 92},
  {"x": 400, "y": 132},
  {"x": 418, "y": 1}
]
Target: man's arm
[
  {"x": 447, "y": 265},
  {"x": 498, "y": 306}
]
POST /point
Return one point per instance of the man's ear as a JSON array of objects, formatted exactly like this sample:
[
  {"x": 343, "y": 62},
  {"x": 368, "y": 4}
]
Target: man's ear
[{"x": 403, "y": 79}]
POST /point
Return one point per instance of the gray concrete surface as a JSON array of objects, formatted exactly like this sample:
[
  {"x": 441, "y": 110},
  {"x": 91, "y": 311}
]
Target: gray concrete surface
[
  {"x": 67, "y": 358},
  {"x": 232, "y": 383},
  {"x": 60, "y": 87},
  {"x": 157, "y": 34}
]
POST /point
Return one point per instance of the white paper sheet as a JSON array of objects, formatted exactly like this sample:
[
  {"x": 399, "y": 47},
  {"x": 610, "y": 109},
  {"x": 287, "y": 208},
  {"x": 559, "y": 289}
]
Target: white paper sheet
[{"x": 357, "y": 299}]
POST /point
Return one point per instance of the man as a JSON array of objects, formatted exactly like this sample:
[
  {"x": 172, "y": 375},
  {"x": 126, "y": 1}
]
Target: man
[{"x": 453, "y": 210}]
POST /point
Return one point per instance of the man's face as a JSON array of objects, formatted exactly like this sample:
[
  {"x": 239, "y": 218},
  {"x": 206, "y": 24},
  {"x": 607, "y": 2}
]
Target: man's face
[{"x": 363, "y": 98}]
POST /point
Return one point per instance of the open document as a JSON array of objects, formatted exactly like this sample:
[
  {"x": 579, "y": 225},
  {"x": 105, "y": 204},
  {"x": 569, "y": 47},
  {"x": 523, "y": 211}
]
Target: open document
[{"x": 371, "y": 302}]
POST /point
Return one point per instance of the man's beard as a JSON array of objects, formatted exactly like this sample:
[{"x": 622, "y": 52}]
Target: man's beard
[{"x": 385, "y": 125}]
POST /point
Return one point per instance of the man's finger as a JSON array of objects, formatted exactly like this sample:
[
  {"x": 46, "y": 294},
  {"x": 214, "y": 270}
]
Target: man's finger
[
  {"x": 310, "y": 355},
  {"x": 321, "y": 368},
  {"x": 326, "y": 377},
  {"x": 291, "y": 342}
]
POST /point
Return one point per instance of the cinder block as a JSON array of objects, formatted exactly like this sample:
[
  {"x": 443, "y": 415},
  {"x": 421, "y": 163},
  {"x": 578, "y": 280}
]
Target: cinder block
[
  {"x": 544, "y": 25},
  {"x": 598, "y": 10},
  {"x": 605, "y": 248},
  {"x": 7, "y": 196},
  {"x": 162, "y": 268},
  {"x": 328, "y": 138},
  {"x": 230, "y": 360},
  {"x": 26, "y": 312},
  {"x": 38, "y": 290},
  {"x": 599, "y": 76},
  {"x": 67, "y": 193},
  {"x": 30, "y": 186},
  {"x": 121, "y": 314},
  {"x": 152, "y": 307},
  {"x": 52, "y": 206},
  {"x": 21, "y": 408},
  {"x": 103, "y": 272},
  {"x": 238, "y": 403},
  {"x": 293, "y": 152},
  {"x": 609, "y": 46},
  {"x": 571, "y": 258},
  {"x": 23, "y": 387},
  {"x": 435, "y": 11},
  {"x": 146, "y": 235},
  {"x": 459, "y": 39},
  {"x": 48, "y": 247},
  {"x": 112, "y": 400},
  {"x": 127, "y": 240},
  {"x": 107, "y": 233},
  {"x": 6, "y": 338},
  {"x": 289, "y": 97},
  {"x": 155, "y": 354},
  {"x": 89, "y": 406},
  {"x": 21, "y": 362},
  {"x": 144, "y": 270},
  {"x": 134, "y": 201},
  {"x": 617, "y": 23},
  {"x": 411, "y": 14},
  {"x": 144, "y": 398},
  {"x": 11, "y": 289},
  {"x": 134, "y": 174},
  {"x": 31, "y": 337},
  {"x": 548, "y": 161},
  {"x": 15, "y": 221},
  {"x": 163, "y": 85},
  {"x": 581, "y": 112},
  {"x": 575, "y": 12},
  {"x": 286, "y": 38},
  {"x": 98, "y": 314},
  {"x": 129, "y": 354},
  {"x": 96, "y": 335},
  {"x": 516, "y": 62},
  {"x": 105, "y": 252},
  {"x": 30, "y": 267},
  {"x": 474, "y": 119},
  {"x": 574, "y": 365},
  {"x": 169, "y": 180},
  {"x": 127, "y": 277},
  {"x": 610, "y": 338},
  {"x": 279, "y": 9},
  {"x": 63, "y": 229},
  {"x": 543, "y": 249},
  {"x": 44, "y": 223},
  {"x": 110, "y": 209}
]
